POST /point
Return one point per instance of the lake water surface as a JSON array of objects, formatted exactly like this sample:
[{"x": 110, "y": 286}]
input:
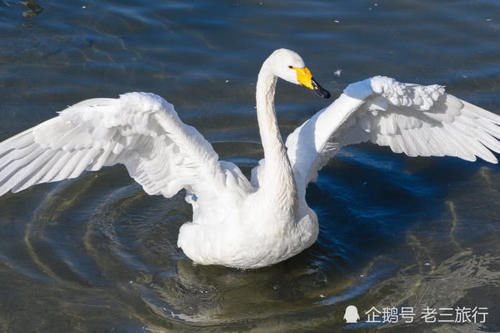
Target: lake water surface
[{"x": 97, "y": 254}]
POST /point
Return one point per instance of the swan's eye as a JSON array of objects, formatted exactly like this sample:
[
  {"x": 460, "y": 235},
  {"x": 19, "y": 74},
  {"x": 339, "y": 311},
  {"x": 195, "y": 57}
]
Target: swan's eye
[{"x": 290, "y": 67}]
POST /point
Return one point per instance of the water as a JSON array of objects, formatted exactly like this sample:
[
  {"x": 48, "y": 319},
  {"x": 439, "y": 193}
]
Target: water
[{"x": 98, "y": 254}]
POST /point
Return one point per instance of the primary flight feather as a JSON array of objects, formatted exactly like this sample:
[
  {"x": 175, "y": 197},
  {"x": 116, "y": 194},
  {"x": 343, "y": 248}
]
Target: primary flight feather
[{"x": 237, "y": 222}]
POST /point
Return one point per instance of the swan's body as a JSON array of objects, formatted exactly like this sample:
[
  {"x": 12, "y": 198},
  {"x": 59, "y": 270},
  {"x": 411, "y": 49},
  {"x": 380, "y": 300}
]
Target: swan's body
[{"x": 236, "y": 222}]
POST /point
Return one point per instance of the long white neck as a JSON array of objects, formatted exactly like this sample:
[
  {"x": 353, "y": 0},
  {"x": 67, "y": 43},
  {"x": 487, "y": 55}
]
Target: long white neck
[{"x": 278, "y": 182}]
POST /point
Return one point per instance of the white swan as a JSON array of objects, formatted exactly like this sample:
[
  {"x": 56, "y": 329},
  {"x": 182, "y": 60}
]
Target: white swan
[{"x": 238, "y": 223}]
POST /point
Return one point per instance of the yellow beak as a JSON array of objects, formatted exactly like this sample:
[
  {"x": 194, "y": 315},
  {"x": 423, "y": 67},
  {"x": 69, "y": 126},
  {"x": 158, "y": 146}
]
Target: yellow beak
[{"x": 305, "y": 79}]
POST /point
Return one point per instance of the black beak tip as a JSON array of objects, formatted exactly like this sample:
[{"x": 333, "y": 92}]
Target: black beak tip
[
  {"x": 326, "y": 94},
  {"x": 320, "y": 91}
]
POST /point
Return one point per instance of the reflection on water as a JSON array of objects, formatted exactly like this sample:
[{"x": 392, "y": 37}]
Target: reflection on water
[{"x": 98, "y": 254}]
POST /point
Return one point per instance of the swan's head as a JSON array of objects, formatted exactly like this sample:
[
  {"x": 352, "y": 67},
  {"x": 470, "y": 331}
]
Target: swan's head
[{"x": 289, "y": 66}]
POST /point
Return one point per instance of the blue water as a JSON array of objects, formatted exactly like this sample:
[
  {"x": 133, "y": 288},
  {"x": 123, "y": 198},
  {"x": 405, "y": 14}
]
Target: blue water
[{"x": 98, "y": 254}]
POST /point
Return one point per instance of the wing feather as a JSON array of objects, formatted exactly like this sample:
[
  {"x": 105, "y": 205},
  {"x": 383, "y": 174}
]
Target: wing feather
[
  {"x": 409, "y": 118},
  {"x": 17, "y": 142},
  {"x": 14, "y": 155},
  {"x": 141, "y": 131},
  {"x": 37, "y": 176}
]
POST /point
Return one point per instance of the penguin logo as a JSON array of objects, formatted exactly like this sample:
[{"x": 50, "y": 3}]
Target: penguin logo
[{"x": 351, "y": 315}]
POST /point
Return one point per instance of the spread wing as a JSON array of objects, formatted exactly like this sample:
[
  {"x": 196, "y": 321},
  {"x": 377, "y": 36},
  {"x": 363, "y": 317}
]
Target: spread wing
[
  {"x": 141, "y": 131},
  {"x": 412, "y": 119}
]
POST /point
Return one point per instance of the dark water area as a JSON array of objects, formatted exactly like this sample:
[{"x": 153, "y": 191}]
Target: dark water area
[{"x": 97, "y": 254}]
